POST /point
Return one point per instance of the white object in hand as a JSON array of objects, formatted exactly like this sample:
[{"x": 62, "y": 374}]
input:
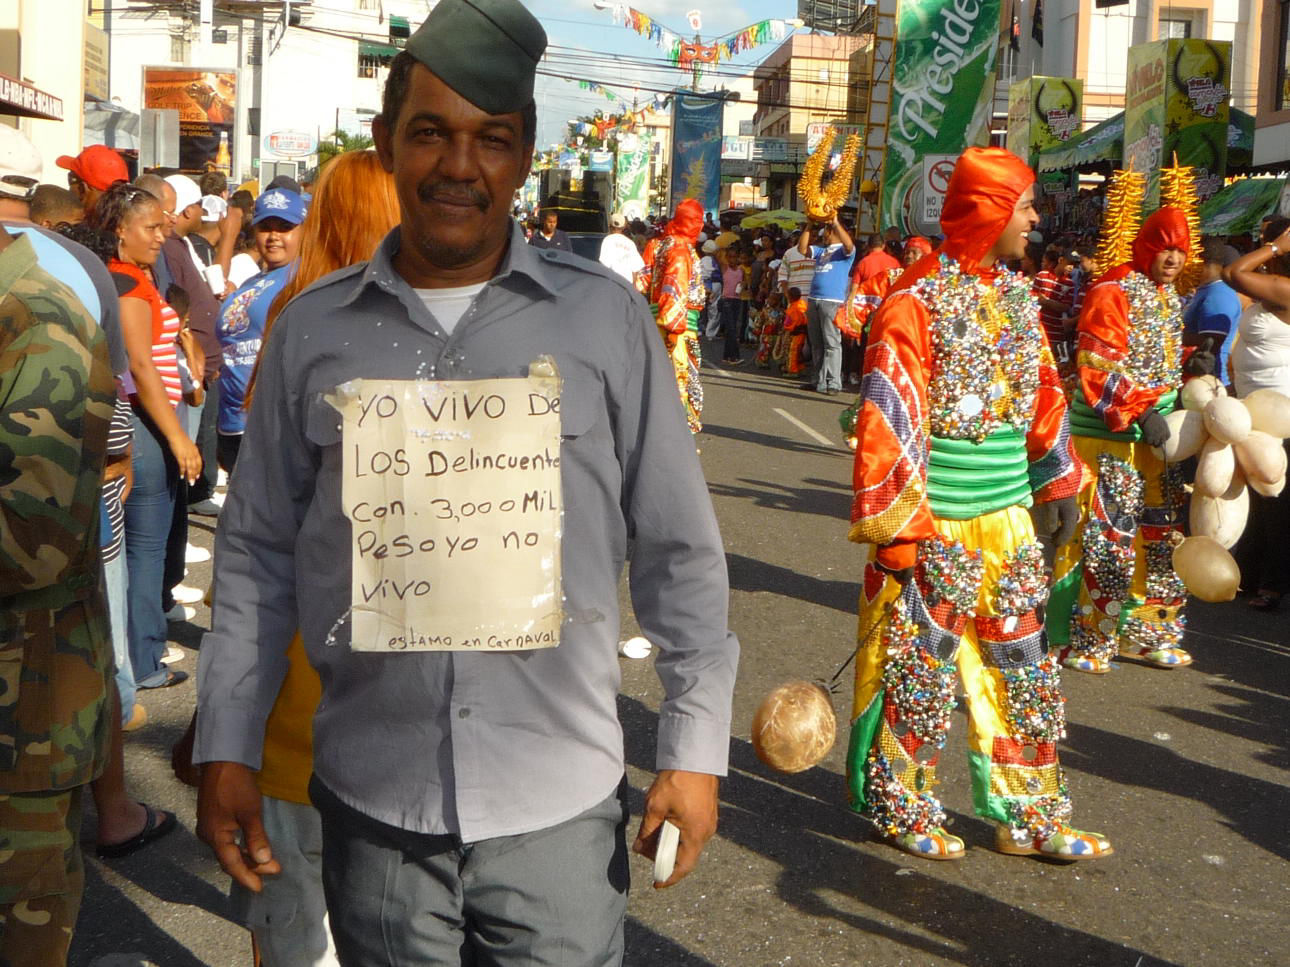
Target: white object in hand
[{"x": 669, "y": 837}]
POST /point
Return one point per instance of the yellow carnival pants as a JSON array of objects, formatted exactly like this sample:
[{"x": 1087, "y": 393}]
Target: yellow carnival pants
[
  {"x": 972, "y": 607},
  {"x": 683, "y": 349},
  {"x": 1114, "y": 586}
]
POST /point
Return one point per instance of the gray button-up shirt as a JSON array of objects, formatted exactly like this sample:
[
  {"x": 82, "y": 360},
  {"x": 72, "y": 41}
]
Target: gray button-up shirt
[{"x": 479, "y": 745}]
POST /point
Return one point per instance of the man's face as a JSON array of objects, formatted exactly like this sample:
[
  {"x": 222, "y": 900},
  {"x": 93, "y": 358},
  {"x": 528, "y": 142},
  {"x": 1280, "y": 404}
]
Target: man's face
[
  {"x": 1012, "y": 243},
  {"x": 169, "y": 216},
  {"x": 912, "y": 255},
  {"x": 277, "y": 241},
  {"x": 188, "y": 220},
  {"x": 1064, "y": 267},
  {"x": 1166, "y": 266},
  {"x": 455, "y": 169},
  {"x": 549, "y": 222}
]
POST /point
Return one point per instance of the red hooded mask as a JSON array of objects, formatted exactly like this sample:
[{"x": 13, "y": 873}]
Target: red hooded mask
[
  {"x": 980, "y": 201},
  {"x": 688, "y": 221},
  {"x": 917, "y": 243},
  {"x": 1165, "y": 229}
]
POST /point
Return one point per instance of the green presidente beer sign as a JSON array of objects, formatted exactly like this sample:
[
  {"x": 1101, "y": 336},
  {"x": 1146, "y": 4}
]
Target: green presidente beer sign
[
  {"x": 942, "y": 95},
  {"x": 1176, "y": 103}
]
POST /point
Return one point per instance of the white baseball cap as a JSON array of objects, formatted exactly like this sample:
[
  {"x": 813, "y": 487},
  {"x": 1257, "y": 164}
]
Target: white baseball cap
[
  {"x": 213, "y": 208},
  {"x": 618, "y": 220},
  {"x": 186, "y": 192},
  {"x": 20, "y": 165}
]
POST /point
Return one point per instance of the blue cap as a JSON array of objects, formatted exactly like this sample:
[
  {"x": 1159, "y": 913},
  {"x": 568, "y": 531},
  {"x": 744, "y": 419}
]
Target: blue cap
[{"x": 280, "y": 203}]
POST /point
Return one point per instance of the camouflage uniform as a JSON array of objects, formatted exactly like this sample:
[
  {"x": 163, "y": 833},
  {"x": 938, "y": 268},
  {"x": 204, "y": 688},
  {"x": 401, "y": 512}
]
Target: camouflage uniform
[{"x": 56, "y": 393}]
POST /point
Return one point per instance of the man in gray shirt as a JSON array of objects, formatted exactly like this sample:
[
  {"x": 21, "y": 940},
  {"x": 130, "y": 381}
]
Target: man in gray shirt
[{"x": 471, "y": 800}]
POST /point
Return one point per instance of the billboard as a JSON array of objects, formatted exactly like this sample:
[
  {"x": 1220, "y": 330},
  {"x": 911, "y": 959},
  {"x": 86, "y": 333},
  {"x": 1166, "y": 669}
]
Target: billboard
[
  {"x": 1043, "y": 113},
  {"x": 942, "y": 96},
  {"x": 1176, "y": 103},
  {"x": 631, "y": 184},
  {"x": 206, "y": 100},
  {"x": 696, "y": 151}
]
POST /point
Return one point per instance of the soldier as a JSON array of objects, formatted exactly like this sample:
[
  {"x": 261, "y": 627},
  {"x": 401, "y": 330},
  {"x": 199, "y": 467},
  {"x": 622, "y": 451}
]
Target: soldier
[{"x": 55, "y": 653}]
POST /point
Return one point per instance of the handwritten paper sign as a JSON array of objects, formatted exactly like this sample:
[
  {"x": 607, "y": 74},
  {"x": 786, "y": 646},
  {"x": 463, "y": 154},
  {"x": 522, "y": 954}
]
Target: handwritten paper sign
[{"x": 453, "y": 492}]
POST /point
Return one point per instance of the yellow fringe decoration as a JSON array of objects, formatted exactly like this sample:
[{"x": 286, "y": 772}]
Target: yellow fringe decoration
[
  {"x": 1121, "y": 219},
  {"x": 823, "y": 203},
  {"x": 1178, "y": 190}
]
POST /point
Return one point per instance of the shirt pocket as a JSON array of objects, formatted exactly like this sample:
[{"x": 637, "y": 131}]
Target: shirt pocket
[
  {"x": 322, "y": 423},
  {"x": 582, "y": 409}
]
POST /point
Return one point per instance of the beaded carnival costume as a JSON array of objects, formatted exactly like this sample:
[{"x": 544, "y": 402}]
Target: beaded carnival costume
[
  {"x": 672, "y": 282},
  {"x": 1115, "y": 590},
  {"x": 963, "y": 424}
]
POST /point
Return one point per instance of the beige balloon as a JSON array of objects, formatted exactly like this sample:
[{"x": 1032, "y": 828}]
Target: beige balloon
[
  {"x": 1269, "y": 412},
  {"x": 1207, "y": 569},
  {"x": 1222, "y": 518},
  {"x": 1187, "y": 434},
  {"x": 794, "y": 727},
  {"x": 1262, "y": 457},
  {"x": 1214, "y": 469},
  {"x": 1227, "y": 419},
  {"x": 1268, "y": 490},
  {"x": 1196, "y": 393}
]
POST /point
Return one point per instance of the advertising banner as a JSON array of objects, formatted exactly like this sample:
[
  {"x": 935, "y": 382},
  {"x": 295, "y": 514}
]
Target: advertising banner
[
  {"x": 1043, "y": 113},
  {"x": 942, "y": 96},
  {"x": 696, "y": 151},
  {"x": 1176, "y": 103},
  {"x": 600, "y": 160},
  {"x": 631, "y": 182},
  {"x": 206, "y": 101}
]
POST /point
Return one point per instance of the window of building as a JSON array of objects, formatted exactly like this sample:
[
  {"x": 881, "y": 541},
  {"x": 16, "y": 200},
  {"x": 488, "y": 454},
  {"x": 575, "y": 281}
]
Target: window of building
[
  {"x": 1283, "y": 59},
  {"x": 1176, "y": 29}
]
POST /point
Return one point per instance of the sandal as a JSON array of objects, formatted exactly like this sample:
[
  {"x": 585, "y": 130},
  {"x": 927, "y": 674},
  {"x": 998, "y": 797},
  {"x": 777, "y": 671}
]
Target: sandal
[
  {"x": 936, "y": 845},
  {"x": 1157, "y": 657},
  {"x": 1266, "y": 601},
  {"x": 1083, "y": 663},
  {"x": 152, "y": 831},
  {"x": 1065, "y": 843}
]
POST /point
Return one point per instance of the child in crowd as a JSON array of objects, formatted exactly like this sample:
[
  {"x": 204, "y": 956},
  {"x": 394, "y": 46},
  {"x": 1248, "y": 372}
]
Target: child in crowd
[
  {"x": 794, "y": 332},
  {"x": 769, "y": 320},
  {"x": 191, "y": 358}
]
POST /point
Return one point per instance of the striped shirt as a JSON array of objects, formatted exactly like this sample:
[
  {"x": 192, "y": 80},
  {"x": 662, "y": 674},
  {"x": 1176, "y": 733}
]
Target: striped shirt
[
  {"x": 120, "y": 436},
  {"x": 1048, "y": 285},
  {"x": 136, "y": 284}
]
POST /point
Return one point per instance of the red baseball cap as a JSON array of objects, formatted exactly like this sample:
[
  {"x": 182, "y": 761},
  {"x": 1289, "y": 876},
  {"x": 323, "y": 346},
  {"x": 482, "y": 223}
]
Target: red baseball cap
[{"x": 98, "y": 166}]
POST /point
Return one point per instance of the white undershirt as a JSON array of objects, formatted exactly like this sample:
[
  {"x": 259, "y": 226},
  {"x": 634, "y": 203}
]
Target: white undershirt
[{"x": 449, "y": 305}]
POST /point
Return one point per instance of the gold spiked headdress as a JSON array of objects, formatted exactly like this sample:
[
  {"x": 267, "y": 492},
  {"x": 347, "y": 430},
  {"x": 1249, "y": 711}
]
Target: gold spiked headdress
[
  {"x": 1121, "y": 219},
  {"x": 823, "y": 203}
]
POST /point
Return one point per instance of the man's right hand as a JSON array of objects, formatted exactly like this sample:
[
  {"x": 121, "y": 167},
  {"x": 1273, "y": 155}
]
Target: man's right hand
[{"x": 228, "y": 809}]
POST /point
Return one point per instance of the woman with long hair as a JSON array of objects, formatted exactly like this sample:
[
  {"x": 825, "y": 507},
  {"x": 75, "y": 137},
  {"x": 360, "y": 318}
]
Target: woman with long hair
[
  {"x": 1260, "y": 359},
  {"x": 354, "y": 207},
  {"x": 162, "y": 450}
]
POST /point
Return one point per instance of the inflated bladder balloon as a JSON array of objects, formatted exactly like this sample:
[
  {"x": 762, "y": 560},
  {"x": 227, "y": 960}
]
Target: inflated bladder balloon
[
  {"x": 1205, "y": 567},
  {"x": 794, "y": 727}
]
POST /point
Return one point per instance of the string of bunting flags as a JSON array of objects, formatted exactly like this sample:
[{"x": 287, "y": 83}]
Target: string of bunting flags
[{"x": 684, "y": 54}]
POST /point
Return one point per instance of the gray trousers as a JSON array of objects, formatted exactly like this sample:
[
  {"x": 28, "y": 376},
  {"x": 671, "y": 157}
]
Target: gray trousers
[
  {"x": 826, "y": 344},
  {"x": 551, "y": 898}
]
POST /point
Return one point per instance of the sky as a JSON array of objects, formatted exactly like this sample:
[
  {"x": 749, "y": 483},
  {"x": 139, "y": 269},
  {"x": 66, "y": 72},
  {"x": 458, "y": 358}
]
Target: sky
[{"x": 585, "y": 42}]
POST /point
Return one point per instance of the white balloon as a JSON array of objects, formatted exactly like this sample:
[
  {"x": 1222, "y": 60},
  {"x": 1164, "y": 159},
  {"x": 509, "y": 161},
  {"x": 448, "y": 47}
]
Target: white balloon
[
  {"x": 1214, "y": 469},
  {"x": 1227, "y": 419},
  {"x": 1269, "y": 411}
]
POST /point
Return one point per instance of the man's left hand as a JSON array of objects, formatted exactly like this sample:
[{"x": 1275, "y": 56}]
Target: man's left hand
[{"x": 689, "y": 801}]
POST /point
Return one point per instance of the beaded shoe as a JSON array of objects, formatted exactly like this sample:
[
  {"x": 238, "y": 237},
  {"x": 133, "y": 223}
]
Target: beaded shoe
[
  {"x": 1157, "y": 657},
  {"x": 936, "y": 845},
  {"x": 1065, "y": 844},
  {"x": 1083, "y": 663}
]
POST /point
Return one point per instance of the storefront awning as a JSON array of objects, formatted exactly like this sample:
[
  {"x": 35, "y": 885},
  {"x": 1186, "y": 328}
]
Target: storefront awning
[
  {"x": 25, "y": 101},
  {"x": 378, "y": 51},
  {"x": 1104, "y": 141},
  {"x": 1239, "y": 207}
]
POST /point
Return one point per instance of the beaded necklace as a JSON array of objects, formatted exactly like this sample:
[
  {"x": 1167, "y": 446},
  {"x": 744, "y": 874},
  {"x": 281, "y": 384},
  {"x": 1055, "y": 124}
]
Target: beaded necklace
[
  {"x": 986, "y": 352},
  {"x": 1155, "y": 327}
]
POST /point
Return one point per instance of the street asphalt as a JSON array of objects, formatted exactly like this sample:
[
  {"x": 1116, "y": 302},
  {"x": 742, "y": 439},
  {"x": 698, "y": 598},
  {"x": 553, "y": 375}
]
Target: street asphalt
[{"x": 1185, "y": 770}]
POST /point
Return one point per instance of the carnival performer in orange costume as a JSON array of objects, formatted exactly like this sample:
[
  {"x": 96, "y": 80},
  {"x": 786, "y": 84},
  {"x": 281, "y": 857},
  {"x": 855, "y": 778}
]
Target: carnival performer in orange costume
[
  {"x": 1115, "y": 589},
  {"x": 963, "y": 427},
  {"x": 674, "y": 288},
  {"x": 864, "y": 298}
]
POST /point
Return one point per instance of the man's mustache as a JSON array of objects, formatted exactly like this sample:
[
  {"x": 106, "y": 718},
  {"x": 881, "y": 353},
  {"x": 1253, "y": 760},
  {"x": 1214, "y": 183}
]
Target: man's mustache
[{"x": 453, "y": 195}]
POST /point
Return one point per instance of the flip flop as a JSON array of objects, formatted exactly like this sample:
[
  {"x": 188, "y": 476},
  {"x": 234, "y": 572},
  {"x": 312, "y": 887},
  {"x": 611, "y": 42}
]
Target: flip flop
[{"x": 152, "y": 830}]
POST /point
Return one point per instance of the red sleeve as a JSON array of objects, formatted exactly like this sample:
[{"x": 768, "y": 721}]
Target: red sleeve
[
  {"x": 890, "y": 508},
  {"x": 1102, "y": 348},
  {"x": 1055, "y": 470}
]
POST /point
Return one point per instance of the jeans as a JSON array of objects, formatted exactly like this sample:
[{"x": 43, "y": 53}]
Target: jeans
[
  {"x": 115, "y": 584},
  {"x": 148, "y": 515},
  {"x": 730, "y": 320},
  {"x": 826, "y": 344},
  {"x": 205, "y": 440}
]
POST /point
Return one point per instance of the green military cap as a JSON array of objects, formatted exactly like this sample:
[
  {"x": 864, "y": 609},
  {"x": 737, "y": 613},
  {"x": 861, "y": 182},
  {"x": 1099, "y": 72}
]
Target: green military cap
[{"x": 485, "y": 50}]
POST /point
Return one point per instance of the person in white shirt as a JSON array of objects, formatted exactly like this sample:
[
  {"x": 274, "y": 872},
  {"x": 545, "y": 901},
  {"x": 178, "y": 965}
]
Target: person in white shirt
[{"x": 618, "y": 253}]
